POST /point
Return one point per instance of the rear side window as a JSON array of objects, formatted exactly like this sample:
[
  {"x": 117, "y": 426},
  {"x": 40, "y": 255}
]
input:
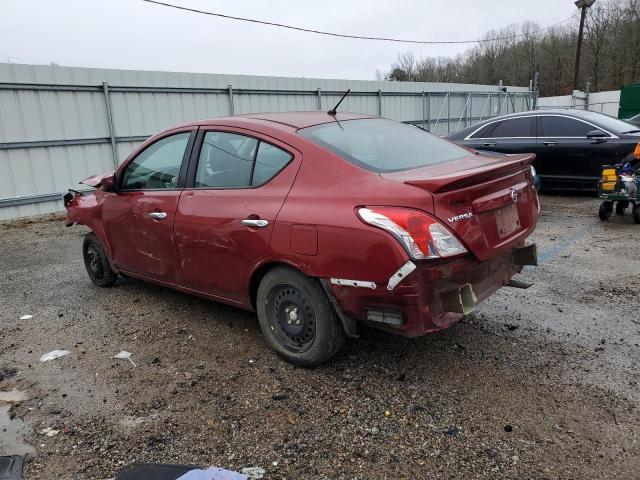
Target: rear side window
[
  {"x": 381, "y": 145},
  {"x": 269, "y": 161},
  {"x": 225, "y": 160},
  {"x": 563, "y": 127},
  {"x": 231, "y": 160},
  {"x": 522, "y": 127}
]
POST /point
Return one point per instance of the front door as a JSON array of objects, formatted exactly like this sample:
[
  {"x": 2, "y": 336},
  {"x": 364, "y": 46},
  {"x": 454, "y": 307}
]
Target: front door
[
  {"x": 564, "y": 154},
  {"x": 226, "y": 215},
  {"x": 139, "y": 219}
]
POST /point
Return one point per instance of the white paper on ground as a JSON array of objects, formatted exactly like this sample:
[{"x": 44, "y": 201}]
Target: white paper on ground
[
  {"x": 124, "y": 355},
  {"x": 52, "y": 355}
]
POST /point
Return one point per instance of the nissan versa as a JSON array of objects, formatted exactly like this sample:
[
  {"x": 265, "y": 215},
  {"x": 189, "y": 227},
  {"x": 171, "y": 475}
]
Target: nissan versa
[{"x": 316, "y": 221}]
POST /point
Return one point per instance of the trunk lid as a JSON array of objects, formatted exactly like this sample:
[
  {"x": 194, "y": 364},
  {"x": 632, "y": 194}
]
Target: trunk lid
[{"x": 488, "y": 201}]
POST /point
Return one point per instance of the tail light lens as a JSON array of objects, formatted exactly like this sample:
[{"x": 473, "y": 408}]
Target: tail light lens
[
  {"x": 636, "y": 152},
  {"x": 422, "y": 236}
]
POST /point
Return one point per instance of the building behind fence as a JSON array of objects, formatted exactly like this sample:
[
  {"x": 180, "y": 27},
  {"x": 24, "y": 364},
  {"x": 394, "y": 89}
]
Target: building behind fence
[
  {"x": 603, "y": 102},
  {"x": 59, "y": 125}
]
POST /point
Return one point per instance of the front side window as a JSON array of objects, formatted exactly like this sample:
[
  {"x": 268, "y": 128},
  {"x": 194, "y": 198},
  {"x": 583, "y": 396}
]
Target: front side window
[
  {"x": 381, "y": 145},
  {"x": 511, "y": 128},
  {"x": 231, "y": 160},
  {"x": 158, "y": 166},
  {"x": 563, "y": 127}
]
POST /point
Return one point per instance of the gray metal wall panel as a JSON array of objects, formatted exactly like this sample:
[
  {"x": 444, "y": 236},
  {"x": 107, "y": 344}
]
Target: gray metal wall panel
[
  {"x": 9, "y": 213},
  {"x": 28, "y": 115},
  {"x": 33, "y": 171}
]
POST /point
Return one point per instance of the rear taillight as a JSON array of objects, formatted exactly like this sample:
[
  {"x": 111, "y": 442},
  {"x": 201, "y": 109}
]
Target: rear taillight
[
  {"x": 636, "y": 152},
  {"x": 422, "y": 236}
]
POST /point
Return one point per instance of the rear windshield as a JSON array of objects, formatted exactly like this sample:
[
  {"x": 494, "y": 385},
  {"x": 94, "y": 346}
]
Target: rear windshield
[
  {"x": 608, "y": 122},
  {"x": 381, "y": 145}
]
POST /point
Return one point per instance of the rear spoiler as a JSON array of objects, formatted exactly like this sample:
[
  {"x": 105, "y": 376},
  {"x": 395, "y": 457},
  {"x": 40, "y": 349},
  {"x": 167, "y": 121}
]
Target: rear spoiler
[{"x": 473, "y": 176}]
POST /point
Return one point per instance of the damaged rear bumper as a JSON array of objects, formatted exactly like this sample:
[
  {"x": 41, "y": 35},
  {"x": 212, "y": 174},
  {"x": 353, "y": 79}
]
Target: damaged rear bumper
[{"x": 434, "y": 295}]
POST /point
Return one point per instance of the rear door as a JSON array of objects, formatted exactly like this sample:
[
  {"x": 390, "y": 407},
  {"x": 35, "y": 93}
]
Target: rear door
[
  {"x": 511, "y": 135},
  {"x": 564, "y": 154},
  {"x": 236, "y": 184},
  {"x": 139, "y": 218}
]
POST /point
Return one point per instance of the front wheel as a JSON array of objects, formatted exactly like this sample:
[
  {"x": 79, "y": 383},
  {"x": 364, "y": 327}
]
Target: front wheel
[
  {"x": 636, "y": 213},
  {"x": 621, "y": 206},
  {"x": 606, "y": 209},
  {"x": 96, "y": 262},
  {"x": 297, "y": 319}
]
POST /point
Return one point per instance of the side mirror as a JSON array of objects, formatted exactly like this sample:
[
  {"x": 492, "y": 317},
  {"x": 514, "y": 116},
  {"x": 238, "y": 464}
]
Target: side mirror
[
  {"x": 108, "y": 183},
  {"x": 596, "y": 134}
]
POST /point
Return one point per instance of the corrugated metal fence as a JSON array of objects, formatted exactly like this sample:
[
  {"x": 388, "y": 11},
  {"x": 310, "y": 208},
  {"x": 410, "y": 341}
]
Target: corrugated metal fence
[
  {"x": 59, "y": 125},
  {"x": 603, "y": 102}
]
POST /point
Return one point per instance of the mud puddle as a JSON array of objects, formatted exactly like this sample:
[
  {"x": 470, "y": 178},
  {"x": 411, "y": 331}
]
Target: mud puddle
[{"x": 13, "y": 431}]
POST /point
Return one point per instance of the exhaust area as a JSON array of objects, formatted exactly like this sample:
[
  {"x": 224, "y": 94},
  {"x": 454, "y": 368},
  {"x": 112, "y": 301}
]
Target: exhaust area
[
  {"x": 527, "y": 255},
  {"x": 463, "y": 301}
]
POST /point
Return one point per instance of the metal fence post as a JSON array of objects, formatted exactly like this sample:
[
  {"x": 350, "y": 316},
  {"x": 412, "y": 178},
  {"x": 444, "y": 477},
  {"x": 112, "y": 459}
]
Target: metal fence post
[
  {"x": 536, "y": 89},
  {"x": 424, "y": 110},
  {"x": 112, "y": 134},
  {"x": 470, "y": 109},
  {"x": 428, "y": 112},
  {"x": 587, "y": 92},
  {"x": 231, "y": 107},
  {"x": 319, "y": 99},
  {"x": 379, "y": 103},
  {"x": 448, "y": 114}
]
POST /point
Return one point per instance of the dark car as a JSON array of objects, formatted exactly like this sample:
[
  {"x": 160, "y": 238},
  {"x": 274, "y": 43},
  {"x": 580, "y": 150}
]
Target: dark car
[
  {"x": 315, "y": 222},
  {"x": 634, "y": 120},
  {"x": 570, "y": 145}
]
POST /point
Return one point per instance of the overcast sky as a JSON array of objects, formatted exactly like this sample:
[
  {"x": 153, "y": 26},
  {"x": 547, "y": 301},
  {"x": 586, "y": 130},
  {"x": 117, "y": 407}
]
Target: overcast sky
[{"x": 132, "y": 34}]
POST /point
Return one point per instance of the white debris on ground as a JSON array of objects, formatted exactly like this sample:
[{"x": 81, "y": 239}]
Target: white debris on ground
[
  {"x": 124, "y": 355},
  {"x": 54, "y": 354}
]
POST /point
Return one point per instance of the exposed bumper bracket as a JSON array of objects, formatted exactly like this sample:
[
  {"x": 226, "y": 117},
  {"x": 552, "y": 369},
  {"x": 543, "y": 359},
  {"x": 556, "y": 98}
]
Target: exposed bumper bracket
[
  {"x": 527, "y": 255},
  {"x": 519, "y": 284},
  {"x": 462, "y": 301},
  {"x": 353, "y": 283},
  {"x": 402, "y": 272},
  {"x": 348, "y": 323}
]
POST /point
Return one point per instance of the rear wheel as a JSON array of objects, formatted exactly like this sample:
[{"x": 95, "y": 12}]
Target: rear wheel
[
  {"x": 606, "y": 209},
  {"x": 96, "y": 262},
  {"x": 636, "y": 213},
  {"x": 297, "y": 319}
]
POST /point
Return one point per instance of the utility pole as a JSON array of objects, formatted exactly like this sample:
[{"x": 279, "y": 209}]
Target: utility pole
[{"x": 582, "y": 5}]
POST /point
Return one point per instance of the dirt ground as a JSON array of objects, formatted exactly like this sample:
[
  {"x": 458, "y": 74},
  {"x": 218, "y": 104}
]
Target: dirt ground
[{"x": 537, "y": 383}]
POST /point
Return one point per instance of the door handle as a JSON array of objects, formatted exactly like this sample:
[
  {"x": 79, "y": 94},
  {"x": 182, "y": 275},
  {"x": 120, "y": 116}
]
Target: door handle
[
  {"x": 255, "y": 223},
  {"x": 158, "y": 215},
  {"x": 489, "y": 144},
  {"x": 550, "y": 143}
]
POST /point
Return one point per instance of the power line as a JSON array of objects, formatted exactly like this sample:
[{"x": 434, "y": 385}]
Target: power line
[
  {"x": 358, "y": 37},
  {"x": 13, "y": 57}
]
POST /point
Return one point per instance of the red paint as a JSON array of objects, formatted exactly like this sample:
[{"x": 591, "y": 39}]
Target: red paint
[{"x": 203, "y": 248}]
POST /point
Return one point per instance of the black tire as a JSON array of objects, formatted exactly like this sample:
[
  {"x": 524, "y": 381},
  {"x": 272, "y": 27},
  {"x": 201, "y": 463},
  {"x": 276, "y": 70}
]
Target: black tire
[
  {"x": 621, "y": 207},
  {"x": 297, "y": 319},
  {"x": 606, "y": 209},
  {"x": 96, "y": 262},
  {"x": 636, "y": 213}
]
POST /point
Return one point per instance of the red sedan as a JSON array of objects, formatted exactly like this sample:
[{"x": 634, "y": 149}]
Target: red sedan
[{"x": 315, "y": 221}]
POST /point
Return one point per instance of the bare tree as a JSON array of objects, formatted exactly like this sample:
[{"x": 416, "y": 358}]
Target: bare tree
[{"x": 611, "y": 55}]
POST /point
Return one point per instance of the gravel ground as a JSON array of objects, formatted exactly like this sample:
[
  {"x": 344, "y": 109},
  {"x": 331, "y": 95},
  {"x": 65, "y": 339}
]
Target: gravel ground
[{"x": 538, "y": 383}]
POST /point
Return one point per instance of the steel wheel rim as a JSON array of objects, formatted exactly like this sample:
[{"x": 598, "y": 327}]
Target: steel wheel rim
[
  {"x": 292, "y": 318},
  {"x": 94, "y": 262}
]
